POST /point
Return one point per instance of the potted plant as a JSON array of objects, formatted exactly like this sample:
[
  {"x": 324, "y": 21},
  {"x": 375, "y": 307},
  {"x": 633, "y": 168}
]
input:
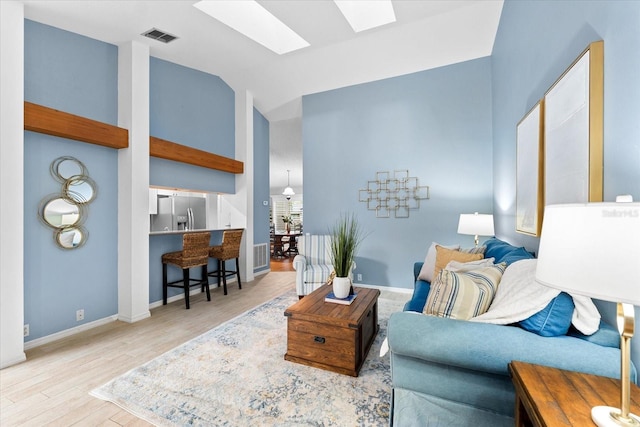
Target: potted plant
[
  {"x": 346, "y": 236},
  {"x": 287, "y": 222}
]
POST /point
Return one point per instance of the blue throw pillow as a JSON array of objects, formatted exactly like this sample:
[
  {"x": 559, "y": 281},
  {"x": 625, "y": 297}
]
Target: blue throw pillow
[
  {"x": 553, "y": 320},
  {"x": 515, "y": 255},
  {"x": 419, "y": 298},
  {"x": 504, "y": 252}
]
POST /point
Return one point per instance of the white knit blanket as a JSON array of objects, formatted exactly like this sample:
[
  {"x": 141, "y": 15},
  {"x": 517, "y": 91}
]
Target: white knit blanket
[{"x": 519, "y": 296}]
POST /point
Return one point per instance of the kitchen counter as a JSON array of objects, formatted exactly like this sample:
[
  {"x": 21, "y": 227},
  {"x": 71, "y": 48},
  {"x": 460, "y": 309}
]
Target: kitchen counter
[{"x": 165, "y": 233}]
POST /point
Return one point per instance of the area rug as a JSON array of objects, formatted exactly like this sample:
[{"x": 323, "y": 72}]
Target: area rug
[{"x": 236, "y": 375}]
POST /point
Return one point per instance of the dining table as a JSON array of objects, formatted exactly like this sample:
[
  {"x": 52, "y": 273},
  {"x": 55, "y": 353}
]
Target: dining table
[{"x": 282, "y": 239}]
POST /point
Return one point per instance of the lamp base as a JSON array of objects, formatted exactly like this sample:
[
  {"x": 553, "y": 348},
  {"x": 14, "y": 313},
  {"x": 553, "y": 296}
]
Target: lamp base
[{"x": 606, "y": 416}]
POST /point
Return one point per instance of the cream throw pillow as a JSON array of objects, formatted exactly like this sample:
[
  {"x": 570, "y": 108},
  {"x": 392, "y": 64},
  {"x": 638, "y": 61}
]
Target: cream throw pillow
[
  {"x": 458, "y": 266},
  {"x": 463, "y": 295},
  {"x": 444, "y": 256},
  {"x": 426, "y": 272}
]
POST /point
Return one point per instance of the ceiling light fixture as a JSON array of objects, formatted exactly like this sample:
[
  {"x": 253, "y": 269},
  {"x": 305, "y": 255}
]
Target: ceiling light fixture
[
  {"x": 365, "y": 14},
  {"x": 254, "y": 21},
  {"x": 288, "y": 192}
]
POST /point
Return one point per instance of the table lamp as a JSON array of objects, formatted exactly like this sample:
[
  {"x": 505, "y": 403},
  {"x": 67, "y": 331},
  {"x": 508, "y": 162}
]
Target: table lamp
[
  {"x": 593, "y": 249},
  {"x": 476, "y": 225}
]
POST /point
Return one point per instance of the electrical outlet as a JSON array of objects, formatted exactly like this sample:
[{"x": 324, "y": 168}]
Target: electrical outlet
[
  {"x": 26, "y": 330},
  {"x": 80, "y": 315},
  {"x": 359, "y": 277}
]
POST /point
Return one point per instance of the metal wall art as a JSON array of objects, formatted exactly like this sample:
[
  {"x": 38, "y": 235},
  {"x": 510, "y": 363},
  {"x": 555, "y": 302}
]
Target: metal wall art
[
  {"x": 66, "y": 211},
  {"x": 396, "y": 193}
]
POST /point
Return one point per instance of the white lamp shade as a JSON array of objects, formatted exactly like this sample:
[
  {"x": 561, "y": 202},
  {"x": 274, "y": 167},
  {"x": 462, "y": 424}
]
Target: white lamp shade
[
  {"x": 592, "y": 249},
  {"x": 476, "y": 224},
  {"x": 288, "y": 192}
]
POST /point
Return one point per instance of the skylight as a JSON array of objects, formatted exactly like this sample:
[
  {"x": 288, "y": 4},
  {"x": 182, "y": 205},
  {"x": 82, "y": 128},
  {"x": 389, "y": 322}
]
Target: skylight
[
  {"x": 254, "y": 21},
  {"x": 365, "y": 14}
]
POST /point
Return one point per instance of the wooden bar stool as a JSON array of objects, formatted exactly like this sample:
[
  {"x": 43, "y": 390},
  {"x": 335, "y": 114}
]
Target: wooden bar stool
[
  {"x": 194, "y": 253},
  {"x": 229, "y": 249}
]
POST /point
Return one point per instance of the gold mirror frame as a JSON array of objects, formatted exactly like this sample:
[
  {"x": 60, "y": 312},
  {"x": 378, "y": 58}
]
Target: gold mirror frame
[
  {"x": 80, "y": 188},
  {"x": 71, "y": 237},
  {"x": 65, "y": 212}
]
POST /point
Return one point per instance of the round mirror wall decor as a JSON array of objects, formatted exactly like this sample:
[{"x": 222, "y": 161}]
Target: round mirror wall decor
[
  {"x": 80, "y": 188},
  {"x": 66, "y": 211},
  {"x": 66, "y": 167},
  {"x": 56, "y": 212},
  {"x": 70, "y": 237}
]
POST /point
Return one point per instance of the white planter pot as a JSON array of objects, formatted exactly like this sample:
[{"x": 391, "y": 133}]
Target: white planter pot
[{"x": 341, "y": 286}]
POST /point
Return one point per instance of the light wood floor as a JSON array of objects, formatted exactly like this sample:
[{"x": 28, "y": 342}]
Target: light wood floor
[
  {"x": 281, "y": 264},
  {"x": 52, "y": 387}
]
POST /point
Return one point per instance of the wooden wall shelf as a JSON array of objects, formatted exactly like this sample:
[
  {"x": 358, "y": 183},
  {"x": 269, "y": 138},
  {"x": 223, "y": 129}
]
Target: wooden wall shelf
[
  {"x": 168, "y": 150},
  {"x": 38, "y": 118}
]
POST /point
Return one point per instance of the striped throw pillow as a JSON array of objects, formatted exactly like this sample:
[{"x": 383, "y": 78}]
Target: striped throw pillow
[{"x": 463, "y": 295}]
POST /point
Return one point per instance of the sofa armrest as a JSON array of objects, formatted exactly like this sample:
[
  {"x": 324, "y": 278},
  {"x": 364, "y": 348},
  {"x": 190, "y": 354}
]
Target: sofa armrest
[
  {"x": 299, "y": 262},
  {"x": 489, "y": 348}
]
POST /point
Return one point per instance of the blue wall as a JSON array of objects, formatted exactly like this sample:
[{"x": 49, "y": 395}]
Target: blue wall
[
  {"x": 436, "y": 124},
  {"x": 78, "y": 75},
  {"x": 260, "y": 180},
  {"x": 527, "y": 60},
  {"x": 196, "y": 109}
]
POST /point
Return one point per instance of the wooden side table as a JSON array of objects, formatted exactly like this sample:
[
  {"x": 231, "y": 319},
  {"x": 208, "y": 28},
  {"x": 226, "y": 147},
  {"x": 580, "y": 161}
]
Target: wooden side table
[{"x": 554, "y": 397}]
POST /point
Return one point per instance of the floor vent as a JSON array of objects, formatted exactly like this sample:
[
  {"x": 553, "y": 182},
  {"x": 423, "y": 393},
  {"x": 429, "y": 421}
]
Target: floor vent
[
  {"x": 159, "y": 35},
  {"x": 260, "y": 255}
]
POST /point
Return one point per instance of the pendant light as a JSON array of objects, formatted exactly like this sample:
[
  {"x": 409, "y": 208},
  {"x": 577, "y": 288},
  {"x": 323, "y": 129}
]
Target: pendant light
[{"x": 288, "y": 192}]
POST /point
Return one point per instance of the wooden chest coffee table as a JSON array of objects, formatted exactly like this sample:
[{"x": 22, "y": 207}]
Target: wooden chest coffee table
[{"x": 332, "y": 336}]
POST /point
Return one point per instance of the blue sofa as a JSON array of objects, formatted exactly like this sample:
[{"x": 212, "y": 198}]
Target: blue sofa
[{"x": 448, "y": 372}]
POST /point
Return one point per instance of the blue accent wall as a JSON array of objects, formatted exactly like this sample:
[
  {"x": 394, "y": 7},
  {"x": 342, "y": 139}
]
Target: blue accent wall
[
  {"x": 436, "y": 124},
  {"x": 260, "y": 180},
  {"x": 78, "y": 75},
  {"x": 196, "y": 109},
  {"x": 536, "y": 42}
]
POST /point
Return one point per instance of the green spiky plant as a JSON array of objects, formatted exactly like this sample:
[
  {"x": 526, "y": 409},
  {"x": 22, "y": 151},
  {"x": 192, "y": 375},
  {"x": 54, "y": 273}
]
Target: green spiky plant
[{"x": 346, "y": 237}]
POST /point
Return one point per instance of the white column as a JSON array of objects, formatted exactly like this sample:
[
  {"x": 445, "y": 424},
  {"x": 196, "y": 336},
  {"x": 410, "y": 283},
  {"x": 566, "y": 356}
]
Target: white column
[
  {"x": 244, "y": 181},
  {"x": 133, "y": 183},
  {"x": 11, "y": 183}
]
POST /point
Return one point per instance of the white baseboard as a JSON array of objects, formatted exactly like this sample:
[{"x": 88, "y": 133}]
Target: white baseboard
[
  {"x": 72, "y": 331},
  {"x": 68, "y": 332},
  {"x": 385, "y": 288}
]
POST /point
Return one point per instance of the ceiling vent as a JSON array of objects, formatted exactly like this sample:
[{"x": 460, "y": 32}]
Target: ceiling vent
[{"x": 159, "y": 35}]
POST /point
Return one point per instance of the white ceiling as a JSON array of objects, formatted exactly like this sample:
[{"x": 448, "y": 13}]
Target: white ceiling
[{"x": 427, "y": 34}]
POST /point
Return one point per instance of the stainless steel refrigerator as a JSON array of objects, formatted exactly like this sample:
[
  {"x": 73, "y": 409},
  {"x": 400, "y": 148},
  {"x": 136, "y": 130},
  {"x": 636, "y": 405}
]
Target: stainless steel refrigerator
[{"x": 180, "y": 213}]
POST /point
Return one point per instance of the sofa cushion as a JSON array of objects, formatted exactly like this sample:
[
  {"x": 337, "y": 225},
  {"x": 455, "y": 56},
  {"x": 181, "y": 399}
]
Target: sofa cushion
[
  {"x": 474, "y": 250},
  {"x": 463, "y": 295},
  {"x": 505, "y": 252},
  {"x": 517, "y": 254},
  {"x": 606, "y": 335},
  {"x": 429, "y": 265},
  {"x": 444, "y": 256},
  {"x": 554, "y": 319},
  {"x": 469, "y": 266},
  {"x": 419, "y": 298}
]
